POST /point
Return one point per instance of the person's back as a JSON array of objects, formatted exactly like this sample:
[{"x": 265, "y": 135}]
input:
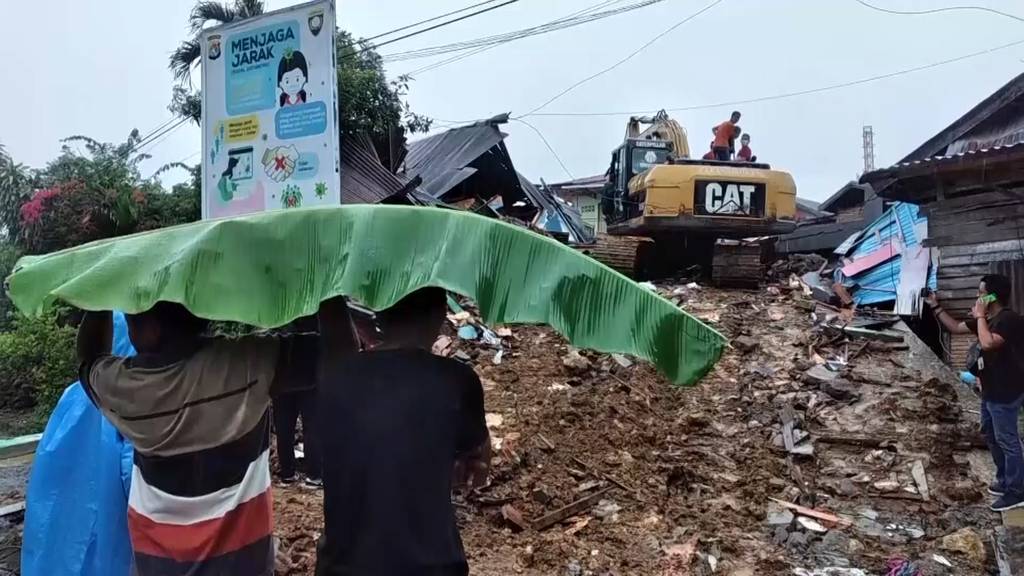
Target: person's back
[
  {"x": 399, "y": 420},
  {"x": 196, "y": 411}
]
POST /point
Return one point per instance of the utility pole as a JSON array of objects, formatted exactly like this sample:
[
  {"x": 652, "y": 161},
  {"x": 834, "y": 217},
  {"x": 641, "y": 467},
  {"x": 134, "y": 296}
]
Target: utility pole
[{"x": 869, "y": 149}]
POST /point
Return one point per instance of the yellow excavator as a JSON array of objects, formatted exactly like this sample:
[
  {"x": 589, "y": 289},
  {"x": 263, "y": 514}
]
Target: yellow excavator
[{"x": 696, "y": 211}]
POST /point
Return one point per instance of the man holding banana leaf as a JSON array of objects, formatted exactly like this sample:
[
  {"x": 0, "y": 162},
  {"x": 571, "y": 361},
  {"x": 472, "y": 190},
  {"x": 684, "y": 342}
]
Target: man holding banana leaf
[
  {"x": 405, "y": 427},
  {"x": 197, "y": 411}
]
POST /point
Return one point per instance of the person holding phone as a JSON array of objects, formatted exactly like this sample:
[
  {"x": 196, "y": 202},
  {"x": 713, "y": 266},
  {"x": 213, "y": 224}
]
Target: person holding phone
[{"x": 1001, "y": 371}]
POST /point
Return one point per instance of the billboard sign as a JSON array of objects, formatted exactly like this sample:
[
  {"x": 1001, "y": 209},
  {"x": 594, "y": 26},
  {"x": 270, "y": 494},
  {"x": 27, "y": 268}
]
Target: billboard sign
[{"x": 270, "y": 113}]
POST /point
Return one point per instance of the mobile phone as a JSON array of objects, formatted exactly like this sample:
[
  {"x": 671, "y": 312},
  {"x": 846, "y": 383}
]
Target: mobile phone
[{"x": 988, "y": 298}]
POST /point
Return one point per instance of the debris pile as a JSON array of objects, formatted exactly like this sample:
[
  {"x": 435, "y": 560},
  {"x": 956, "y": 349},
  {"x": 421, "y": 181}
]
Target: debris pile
[{"x": 824, "y": 442}]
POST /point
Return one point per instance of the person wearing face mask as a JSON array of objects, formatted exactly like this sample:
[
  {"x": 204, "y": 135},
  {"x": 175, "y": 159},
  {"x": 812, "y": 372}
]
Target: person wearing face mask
[{"x": 1000, "y": 370}]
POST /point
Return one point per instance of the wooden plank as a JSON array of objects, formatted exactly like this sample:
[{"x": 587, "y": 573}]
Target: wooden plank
[
  {"x": 19, "y": 446},
  {"x": 980, "y": 258},
  {"x": 957, "y": 293},
  {"x": 979, "y": 233},
  {"x": 947, "y": 283},
  {"x": 12, "y": 509},
  {"x": 997, "y": 212},
  {"x": 967, "y": 271},
  {"x": 552, "y": 518},
  {"x": 812, "y": 513},
  {"x": 879, "y": 335},
  {"x": 968, "y": 249}
]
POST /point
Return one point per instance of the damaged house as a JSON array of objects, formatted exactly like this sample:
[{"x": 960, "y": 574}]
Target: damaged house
[
  {"x": 469, "y": 168},
  {"x": 968, "y": 180}
]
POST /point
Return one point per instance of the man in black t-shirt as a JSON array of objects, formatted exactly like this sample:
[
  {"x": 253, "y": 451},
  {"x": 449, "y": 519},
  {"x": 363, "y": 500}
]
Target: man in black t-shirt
[
  {"x": 1001, "y": 370},
  {"x": 399, "y": 427}
]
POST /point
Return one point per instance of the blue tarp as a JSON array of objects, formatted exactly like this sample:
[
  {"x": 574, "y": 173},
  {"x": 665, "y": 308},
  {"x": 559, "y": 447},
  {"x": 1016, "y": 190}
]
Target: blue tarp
[
  {"x": 879, "y": 283},
  {"x": 76, "y": 517}
]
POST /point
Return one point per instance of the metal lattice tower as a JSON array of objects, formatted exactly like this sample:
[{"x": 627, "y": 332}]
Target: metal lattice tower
[{"x": 869, "y": 149}]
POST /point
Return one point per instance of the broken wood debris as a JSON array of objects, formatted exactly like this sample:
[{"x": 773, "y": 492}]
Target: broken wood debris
[
  {"x": 812, "y": 513},
  {"x": 550, "y": 519}
]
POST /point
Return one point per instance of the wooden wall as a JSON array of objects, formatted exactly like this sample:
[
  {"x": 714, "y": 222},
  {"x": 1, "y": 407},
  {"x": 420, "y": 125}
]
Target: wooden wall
[{"x": 977, "y": 235}]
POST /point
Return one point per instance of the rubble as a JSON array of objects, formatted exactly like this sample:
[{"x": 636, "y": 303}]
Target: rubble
[{"x": 604, "y": 468}]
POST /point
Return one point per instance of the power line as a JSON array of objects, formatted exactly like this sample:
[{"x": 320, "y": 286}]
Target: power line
[
  {"x": 548, "y": 144},
  {"x": 162, "y": 135},
  {"x": 429, "y": 20},
  {"x": 796, "y": 93},
  {"x": 938, "y": 10},
  {"x": 581, "y": 17},
  {"x": 624, "y": 60},
  {"x": 487, "y": 47},
  {"x": 425, "y": 30}
]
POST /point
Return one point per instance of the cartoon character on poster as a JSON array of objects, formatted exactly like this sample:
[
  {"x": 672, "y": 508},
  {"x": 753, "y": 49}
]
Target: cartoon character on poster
[
  {"x": 292, "y": 75},
  {"x": 226, "y": 185}
]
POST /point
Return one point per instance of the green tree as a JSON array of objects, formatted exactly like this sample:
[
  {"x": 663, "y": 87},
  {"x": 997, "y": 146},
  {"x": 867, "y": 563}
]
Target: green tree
[
  {"x": 367, "y": 102},
  {"x": 15, "y": 190},
  {"x": 9, "y": 254},
  {"x": 86, "y": 195}
]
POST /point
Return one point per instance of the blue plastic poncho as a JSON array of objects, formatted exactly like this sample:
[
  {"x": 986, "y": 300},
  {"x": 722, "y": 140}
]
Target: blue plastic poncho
[{"x": 76, "y": 519}]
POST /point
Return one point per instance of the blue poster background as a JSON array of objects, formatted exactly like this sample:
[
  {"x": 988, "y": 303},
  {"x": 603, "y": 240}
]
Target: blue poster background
[{"x": 250, "y": 63}]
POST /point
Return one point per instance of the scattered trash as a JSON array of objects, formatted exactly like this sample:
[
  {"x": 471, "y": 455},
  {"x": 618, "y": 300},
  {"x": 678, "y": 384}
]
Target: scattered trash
[
  {"x": 967, "y": 542},
  {"x": 779, "y": 517},
  {"x": 494, "y": 420},
  {"x": 575, "y": 361},
  {"x": 942, "y": 560},
  {"x": 833, "y": 571},
  {"x": 468, "y": 332},
  {"x": 442, "y": 346},
  {"x": 917, "y": 471},
  {"x": 622, "y": 360},
  {"x": 901, "y": 567},
  {"x": 811, "y": 525}
]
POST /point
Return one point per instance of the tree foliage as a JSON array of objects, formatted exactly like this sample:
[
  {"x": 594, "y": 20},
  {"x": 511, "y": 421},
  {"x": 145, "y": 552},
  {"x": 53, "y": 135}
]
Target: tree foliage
[
  {"x": 37, "y": 362},
  {"x": 99, "y": 192},
  {"x": 15, "y": 189},
  {"x": 367, "y": 102}
]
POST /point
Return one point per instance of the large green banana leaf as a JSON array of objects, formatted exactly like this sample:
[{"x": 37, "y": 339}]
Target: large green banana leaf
[{"x": 268, "y": 269}]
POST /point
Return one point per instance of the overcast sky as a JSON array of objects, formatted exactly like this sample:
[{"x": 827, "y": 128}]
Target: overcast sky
[{"x": 99, "y": 68}]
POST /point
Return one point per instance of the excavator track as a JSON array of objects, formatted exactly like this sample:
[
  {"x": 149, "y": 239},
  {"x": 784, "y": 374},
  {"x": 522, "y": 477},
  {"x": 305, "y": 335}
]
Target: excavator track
[
  {"x": 738, "y": 264},
  {"x": 628, "y": 255}
]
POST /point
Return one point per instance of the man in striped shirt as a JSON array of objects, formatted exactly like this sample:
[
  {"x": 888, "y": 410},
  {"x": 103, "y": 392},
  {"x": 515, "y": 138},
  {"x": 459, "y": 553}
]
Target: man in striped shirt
[{"x": 197, "y": 411}]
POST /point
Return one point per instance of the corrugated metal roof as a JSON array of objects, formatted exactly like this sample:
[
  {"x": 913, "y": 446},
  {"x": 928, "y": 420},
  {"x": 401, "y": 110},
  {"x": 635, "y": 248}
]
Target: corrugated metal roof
[
  {"x": 586, "y": 182},
  {"x": 555, "y": 214},
  {"x": 880, "y": 283},
  {"x": 935, "y": 162},
  {"x": 442, "y": 160},
  {"x": 363, "y": 179}
]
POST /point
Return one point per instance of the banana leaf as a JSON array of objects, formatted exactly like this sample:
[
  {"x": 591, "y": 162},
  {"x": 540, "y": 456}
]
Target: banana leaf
[{"x": 268, "y": 269}]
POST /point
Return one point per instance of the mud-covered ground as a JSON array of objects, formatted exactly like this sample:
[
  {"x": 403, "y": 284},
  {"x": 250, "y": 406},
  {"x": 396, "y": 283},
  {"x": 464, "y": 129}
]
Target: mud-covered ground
[{"x": 689, "y": 474}]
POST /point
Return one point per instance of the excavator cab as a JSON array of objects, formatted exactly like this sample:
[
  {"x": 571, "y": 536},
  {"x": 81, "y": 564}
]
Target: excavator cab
[{"x": 634, "y": 156}]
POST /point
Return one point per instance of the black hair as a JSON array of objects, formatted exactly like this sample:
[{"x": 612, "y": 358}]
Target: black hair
[
  {"x": 735, "y": 113},
  {"x": 999, "y": 286},
  {"x": 230, "y": 171},
  {"x": 292, "y": 61},
  {"x": 421, "y": 302},
  {"x": 174, "y": 317}
]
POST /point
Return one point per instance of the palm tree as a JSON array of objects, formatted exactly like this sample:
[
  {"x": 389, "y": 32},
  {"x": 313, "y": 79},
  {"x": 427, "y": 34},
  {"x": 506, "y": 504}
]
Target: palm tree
[
  {"x": 15, "y": 188},
  {"x": 186, "y": 56}
]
